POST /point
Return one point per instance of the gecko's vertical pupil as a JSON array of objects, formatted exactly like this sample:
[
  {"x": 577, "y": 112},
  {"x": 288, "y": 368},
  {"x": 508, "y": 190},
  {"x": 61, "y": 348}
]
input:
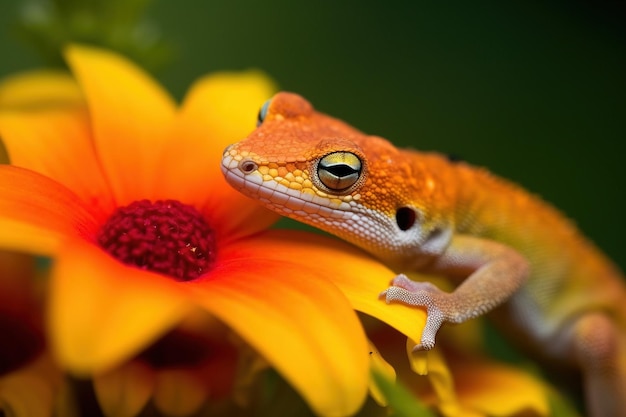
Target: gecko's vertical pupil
[
  {"x": 405, "y": 218},
  {"x": 338, "y": 171}
]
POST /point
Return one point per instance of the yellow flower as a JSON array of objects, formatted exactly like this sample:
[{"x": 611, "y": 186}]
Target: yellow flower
[{"x": 122, "y": 188}]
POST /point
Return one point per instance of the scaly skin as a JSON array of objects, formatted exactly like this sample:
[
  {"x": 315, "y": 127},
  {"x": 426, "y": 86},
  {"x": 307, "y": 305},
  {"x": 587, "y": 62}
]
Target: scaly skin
[{"x": 555, "y": 291}]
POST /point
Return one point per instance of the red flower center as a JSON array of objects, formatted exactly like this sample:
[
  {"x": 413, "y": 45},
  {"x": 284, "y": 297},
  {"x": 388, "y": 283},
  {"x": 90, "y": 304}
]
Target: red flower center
[{"x": 164, "y": 236}]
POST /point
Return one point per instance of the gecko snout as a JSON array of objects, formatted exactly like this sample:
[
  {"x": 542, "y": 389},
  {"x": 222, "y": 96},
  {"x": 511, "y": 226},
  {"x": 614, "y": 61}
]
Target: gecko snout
[{"x": 227, "y": 149}]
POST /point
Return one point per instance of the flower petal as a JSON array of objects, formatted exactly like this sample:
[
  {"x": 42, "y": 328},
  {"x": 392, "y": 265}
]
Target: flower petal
[
  {"x": 101, "y": 311},
  {"x": 400, "y": 401},
  {"x": 178, "y": 393},
  {"x": 37, "y": 212},
  {"x": 124, "y": 391},
  {"x": 131, "y": 117},
  {"x": 39, "y": 380},
  {"x": 442, "y": 382},
  {"x": 498, "y": 389},
  {"x": 437, "y": 389},
  {"x": 360, "y": 277},
  {"x": 38, "y": 90},
  {"x": 300, "y": 323},
  {"x": 57, "y": 143},
  {"x": 384, "y": 370},
  {"x": 27, "y": 238},
  {"x": 219, "y": 109}
]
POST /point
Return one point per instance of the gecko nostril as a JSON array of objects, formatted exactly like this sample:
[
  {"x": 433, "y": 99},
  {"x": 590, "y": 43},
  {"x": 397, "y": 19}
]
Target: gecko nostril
[{"x": 247, "y": 166}]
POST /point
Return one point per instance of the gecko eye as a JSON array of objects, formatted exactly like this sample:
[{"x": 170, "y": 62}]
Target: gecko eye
[
  {"x": 263, "y": 112},
  {"x": 339, "y": 171}
]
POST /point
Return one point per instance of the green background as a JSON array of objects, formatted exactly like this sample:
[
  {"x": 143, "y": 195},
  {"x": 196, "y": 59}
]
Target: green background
[{"x": 536, "y": 91}]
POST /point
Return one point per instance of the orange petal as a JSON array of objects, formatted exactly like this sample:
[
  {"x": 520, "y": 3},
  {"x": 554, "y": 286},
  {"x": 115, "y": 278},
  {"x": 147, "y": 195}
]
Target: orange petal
[
  {"x": 442, "y": 382},
  {"x": 124, "y": 391},
  {"x": 39, "y": 89},
  {"x": 57, "y": 143},
  {"x": 297, "y": 320},
  {"x": 131, "y": 117},
  {"x": 436, "y": 390},
  {"x": 32, "y": 390},
  {"x": 102, "y": 312},
  {"x": 356, "y": 274},
  {"x": 220, "y": 109},
  {"x": 37, "y": 212},
  {"x": 498, "y": 389},
  {"x": 381, "y": 367},
  {"x": 418, "y": 360},
  {"x": 178, "y": 393},
  {"x": 27, "y": 238}
]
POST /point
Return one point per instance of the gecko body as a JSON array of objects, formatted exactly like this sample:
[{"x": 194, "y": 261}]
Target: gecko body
[{"x": 506, "y": 248}]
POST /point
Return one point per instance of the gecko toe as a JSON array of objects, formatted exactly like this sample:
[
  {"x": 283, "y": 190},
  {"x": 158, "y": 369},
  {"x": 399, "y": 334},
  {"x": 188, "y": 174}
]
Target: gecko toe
[{"x": 424, "y": 345}]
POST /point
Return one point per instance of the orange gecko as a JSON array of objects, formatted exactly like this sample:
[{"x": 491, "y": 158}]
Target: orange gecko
[{"x": 555, "y": 292}]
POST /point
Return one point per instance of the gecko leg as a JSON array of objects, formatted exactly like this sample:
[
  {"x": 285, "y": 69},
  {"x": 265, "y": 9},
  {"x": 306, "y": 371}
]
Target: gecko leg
[
  {"x": 423, "y": 294},
  {"x": 599, "y": 349},
  {"x": 488, "y": 272}
]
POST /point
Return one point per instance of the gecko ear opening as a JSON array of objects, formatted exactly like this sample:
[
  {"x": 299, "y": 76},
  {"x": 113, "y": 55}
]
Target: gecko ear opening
[{"x": 405, "y": 218}]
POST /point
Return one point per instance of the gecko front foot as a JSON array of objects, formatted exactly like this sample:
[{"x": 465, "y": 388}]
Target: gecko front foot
[{"x": 422, "y": 294}]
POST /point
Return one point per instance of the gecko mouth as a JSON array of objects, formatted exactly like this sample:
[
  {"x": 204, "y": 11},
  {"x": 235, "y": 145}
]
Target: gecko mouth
[
  {"x": 340, "y": 219},
  {"x": 245, "y": 177}
]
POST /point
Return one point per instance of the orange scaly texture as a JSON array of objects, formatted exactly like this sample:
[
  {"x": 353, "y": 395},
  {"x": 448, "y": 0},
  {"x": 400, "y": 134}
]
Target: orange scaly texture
[
  {"x": 559, "y": 295},
  {"x": 290, "y": 141},
  {"x": 568, "y": 273}
]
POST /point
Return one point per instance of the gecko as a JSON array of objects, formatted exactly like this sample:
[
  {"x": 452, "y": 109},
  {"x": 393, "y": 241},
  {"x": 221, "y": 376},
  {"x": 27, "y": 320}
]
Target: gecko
[{"x": 509, "y": 253}]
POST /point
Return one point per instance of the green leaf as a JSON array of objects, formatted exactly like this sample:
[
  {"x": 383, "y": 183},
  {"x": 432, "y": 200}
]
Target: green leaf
[{"x": 401, "y": 402}]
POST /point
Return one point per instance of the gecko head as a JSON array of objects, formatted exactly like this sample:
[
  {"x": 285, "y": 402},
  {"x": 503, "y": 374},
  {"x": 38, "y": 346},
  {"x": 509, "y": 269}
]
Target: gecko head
[{"x": 319, "y": 170}]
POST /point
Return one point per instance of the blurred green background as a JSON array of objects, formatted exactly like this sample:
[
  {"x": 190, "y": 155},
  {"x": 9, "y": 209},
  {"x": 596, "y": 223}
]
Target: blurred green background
[{"x": 534, "y": 90}]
